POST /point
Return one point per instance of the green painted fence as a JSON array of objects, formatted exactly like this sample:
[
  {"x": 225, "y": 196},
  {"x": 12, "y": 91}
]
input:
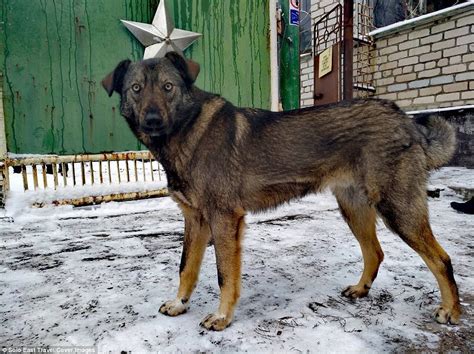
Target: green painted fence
[{"x": 54, "y": 54}]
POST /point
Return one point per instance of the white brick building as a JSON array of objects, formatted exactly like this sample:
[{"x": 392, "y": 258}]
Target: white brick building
[{"x": 425, "y": 62}]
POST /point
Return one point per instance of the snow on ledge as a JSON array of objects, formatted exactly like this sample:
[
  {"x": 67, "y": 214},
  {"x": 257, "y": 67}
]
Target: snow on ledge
[
  {"x": 437, "y": 110},
  {"x": 420, "y": 20}
]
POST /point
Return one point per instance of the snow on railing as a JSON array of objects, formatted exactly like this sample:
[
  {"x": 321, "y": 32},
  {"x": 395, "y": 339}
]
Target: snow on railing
[{"x": 87, "y": 178}]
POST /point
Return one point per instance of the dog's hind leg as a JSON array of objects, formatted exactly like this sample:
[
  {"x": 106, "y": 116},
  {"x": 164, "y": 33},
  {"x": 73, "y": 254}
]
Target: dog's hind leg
[
  {"x": 227, "y": 232},
  {"x": 410, "y": 222},
  {"x": 360, "y": 217},
  {"x": 196, "y": 238}
]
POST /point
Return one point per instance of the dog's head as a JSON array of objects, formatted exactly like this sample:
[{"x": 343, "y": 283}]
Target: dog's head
[{"x": 156, "y": 94}]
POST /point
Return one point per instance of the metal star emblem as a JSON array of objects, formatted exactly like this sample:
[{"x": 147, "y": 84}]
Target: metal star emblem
[{"x": 160, "y": 37}]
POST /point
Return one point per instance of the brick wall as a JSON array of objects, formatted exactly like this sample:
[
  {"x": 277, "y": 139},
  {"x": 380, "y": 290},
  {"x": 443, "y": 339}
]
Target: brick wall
[
  {"x": 307, "y": 80},
  {"x": 428, "y": 64}
]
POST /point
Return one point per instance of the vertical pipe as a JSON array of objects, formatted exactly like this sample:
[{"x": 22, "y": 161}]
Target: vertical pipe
[
  {"x": 3, "y": 138},
  {"x": 91, "y": 164},
  {"x": 6, "y": 181},
  {"x": 151, "y": 170},
  {"x": 64, "y": 169},
  {"x": 73, "y": 173},
  {"x": 118, "y": 170},
  {"x": 25, "y": 177},
  {"x": 43, "y": 172},
  {"x": 35, "y": 177},
  {"x": 274, "y": 69},
  {"x": 127, "y": 169},
  {"x": 136, "y": 171},
  {"x": 348, "y": 49},
  {"x": 290, "y": 59},
  {"x": 101, "y": 177},
  {"x": 55, "y": 174},
  {"x": 109, "y": 170},
  {"x": 83, "y": 173}
]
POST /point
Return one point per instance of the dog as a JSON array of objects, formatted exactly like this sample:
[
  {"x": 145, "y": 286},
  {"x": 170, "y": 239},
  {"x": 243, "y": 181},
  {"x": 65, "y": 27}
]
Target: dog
[{"x": 222, "y": 161}]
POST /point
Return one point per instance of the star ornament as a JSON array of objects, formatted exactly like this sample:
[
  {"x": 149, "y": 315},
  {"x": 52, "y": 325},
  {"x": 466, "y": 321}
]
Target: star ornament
[{"x": 161, "y": 37}]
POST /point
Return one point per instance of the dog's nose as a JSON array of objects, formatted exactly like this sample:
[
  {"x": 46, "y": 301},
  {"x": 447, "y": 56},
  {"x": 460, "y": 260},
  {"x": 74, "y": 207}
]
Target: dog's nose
[{"x": 152, "y": 119}]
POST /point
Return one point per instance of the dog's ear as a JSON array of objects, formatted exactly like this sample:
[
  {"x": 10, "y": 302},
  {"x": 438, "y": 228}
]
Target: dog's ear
[
  {"x": 188, "y": 69},
  {"x": 114, "y": 81}
]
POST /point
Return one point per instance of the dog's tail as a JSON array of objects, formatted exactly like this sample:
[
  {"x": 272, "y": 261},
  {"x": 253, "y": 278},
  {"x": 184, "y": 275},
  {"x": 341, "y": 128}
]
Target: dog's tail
[{"x": 440, "y": 140}]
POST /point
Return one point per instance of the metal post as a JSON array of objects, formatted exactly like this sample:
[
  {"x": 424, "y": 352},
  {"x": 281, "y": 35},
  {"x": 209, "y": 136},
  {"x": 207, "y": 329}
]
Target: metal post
[
  {"x": 4, "y": 180},
  {"x": 348, "y": 49},
  {"x": 290, "y": 58},
  {"x": 274, "y": 70}
]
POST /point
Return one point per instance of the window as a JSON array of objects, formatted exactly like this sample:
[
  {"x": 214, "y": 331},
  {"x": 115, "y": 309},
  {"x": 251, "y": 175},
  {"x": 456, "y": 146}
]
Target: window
[{"x": 305, "y": 26}]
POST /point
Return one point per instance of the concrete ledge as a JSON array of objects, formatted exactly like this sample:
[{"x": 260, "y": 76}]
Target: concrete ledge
[{"x": 421, "y": 20}]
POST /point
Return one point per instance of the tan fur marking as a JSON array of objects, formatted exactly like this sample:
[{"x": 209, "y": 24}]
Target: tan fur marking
[
  {"x": 227, "y": 232},
  {"x": 361, "y": 220},
  {"x": 242, "y": 127},
  {"x": 437, "y": 260},
  {"x": 196, "y": 238}
]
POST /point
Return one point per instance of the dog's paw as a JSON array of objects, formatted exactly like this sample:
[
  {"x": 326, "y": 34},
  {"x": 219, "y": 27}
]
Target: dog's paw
[
  {"x": 445, "y": 316},
  {"x": 355, "y": 291},
  {"x": 215, "y": 322},
  {"x": 173, "y": 308}
]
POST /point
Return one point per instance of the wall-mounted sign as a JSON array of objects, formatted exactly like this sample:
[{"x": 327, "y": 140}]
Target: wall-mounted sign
[
  {"x": 325, "y": 62},
  {"x": 294, "y": 7}
]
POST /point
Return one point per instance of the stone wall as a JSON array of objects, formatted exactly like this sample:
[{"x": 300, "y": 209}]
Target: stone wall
[{"x": 428, "y": 63}]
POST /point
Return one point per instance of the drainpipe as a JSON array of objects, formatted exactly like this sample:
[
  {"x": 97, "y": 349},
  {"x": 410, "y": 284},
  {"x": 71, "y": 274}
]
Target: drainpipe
[
  {"x": 274, "y": 69},
  {"x": 347, "y": 93},
  {"x": 290, "y": 56},
  {"x": 4, "y": 185}
]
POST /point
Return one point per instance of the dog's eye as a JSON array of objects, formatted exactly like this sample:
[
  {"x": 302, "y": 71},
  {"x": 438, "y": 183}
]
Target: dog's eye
[
  {"x": 136, "y": 88},
  {"x": 168, "y": 86}
]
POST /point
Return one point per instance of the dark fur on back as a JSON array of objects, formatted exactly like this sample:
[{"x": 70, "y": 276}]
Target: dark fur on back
[{"x": 347, "y": 140}]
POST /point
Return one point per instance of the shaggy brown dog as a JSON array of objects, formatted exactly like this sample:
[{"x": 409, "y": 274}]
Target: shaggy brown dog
[{"x": 222, "y": 161}]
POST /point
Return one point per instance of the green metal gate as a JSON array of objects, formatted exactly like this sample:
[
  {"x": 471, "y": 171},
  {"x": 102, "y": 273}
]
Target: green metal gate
[{"x": 54, "y": 53}]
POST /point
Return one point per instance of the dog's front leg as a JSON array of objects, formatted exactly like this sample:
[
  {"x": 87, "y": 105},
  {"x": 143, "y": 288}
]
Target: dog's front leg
[
  {"x": 196, "y": 238},
  {"x": 227, "y": 231}
]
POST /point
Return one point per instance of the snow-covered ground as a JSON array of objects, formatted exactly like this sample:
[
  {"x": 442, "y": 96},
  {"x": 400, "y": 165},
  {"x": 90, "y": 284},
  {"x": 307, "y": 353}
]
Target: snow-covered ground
[{"x": 97, "y": 276}]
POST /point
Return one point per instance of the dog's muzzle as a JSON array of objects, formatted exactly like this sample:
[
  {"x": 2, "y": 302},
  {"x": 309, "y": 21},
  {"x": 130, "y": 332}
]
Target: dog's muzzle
[{"x": 153, "y": 123}]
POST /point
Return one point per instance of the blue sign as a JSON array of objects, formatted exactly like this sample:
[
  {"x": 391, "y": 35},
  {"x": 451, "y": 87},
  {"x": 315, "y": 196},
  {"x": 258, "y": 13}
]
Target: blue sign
[{"x": 294, "y": 17}]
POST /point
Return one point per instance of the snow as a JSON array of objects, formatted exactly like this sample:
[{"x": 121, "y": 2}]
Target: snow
[
  {"x": 97, "y": 276},
  {"x": 448, "y": 11},
  {"x": 437, "y": 110}
]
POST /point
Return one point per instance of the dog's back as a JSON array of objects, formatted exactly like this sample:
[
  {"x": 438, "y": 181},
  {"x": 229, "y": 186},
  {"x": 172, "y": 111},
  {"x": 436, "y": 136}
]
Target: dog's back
[{"x": 272, "y": 157}]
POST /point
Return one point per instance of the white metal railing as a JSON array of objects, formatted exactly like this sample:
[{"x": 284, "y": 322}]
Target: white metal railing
[{"x": 54, "y": 172}]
